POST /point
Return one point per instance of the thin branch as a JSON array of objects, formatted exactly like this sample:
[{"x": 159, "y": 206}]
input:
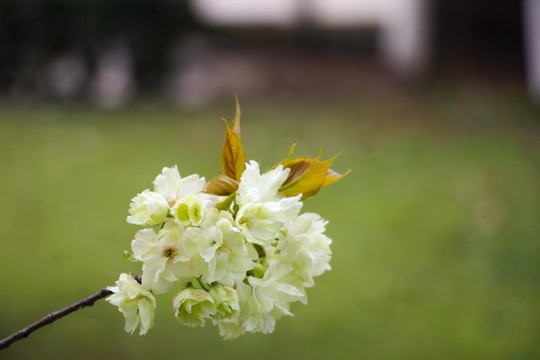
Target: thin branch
[{"x": 89, "y": 301}]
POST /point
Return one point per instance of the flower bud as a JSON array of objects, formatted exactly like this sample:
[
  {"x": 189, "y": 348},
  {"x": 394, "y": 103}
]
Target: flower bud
[
  {"x": 148, "y": 208},
  {"x": 226, "y": 300},
  {"x": 193, "y": 306}
]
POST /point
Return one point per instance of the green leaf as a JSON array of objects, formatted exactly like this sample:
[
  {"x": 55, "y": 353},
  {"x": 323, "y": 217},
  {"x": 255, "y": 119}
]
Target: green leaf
[{"x": 226, "y": 204}]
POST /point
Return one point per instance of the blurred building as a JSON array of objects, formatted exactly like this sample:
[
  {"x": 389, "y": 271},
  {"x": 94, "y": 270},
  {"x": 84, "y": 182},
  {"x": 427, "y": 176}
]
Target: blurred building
[
  {"x": 402, "y": 25},
  {"x": 531, "y": 20},
  {"x": 109, "y": 52}
]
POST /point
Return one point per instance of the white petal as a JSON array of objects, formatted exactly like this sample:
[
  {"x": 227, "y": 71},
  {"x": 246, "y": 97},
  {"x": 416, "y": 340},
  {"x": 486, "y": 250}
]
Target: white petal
[
  {"x": 190, "y": 185},
  {"x": 144, "y": 242},
  {"x": 255, "y": 187},
  {"x": 167, "y": 183}
]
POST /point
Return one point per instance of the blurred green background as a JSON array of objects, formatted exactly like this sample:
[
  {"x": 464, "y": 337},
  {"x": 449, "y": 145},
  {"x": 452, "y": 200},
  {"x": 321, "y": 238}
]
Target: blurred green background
[{"x": 436, "y": 231}]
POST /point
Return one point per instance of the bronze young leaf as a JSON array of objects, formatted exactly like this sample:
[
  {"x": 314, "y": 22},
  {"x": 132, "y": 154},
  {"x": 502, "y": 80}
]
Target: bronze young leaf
[
  {"x": 308, "y": 175},
  {"x": 233, "y": 157},
  {"x": 221, "y": 185}
]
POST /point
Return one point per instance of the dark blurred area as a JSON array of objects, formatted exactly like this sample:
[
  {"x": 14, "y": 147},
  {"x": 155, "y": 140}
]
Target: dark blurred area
[
  {"x": 110, "y": 52},
  {"x": 479, "y": 33}
]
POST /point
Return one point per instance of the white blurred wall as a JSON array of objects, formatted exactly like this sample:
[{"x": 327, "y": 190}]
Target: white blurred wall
[
  {"x": 403, "y": 24},
  {"x": 531, "y": 22},
  {"x": 246, "y": 12}
]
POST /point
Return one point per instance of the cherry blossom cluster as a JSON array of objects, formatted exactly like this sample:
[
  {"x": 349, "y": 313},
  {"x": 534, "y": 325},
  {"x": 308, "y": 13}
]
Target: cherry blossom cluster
[{"x": 236, "y": 250}]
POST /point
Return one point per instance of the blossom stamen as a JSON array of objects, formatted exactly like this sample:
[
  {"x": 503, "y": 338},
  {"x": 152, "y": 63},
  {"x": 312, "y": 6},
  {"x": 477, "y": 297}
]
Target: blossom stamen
[{"x": 169, "y": 252}]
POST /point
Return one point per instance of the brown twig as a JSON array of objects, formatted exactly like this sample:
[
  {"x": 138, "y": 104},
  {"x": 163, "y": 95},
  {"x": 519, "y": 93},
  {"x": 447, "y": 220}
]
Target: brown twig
[{"x": 89, "y": 301}]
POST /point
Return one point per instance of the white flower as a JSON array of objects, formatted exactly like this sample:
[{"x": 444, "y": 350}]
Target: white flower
[
  {"x": 255, "y": 187},
  {"x": 262, "y": 210},
  {"x": 231, "y": 328},
  {"x": 173, "y": 187},
  {"x": 163, "y": 256},
  {"x": 265, "y": 300},
  {"x": 258, "y": 224},
  {"x": 274, "y": 290},
  {"x": 218, "y": 251},
  {"x": 148, "y": 208},
  {"x": 136, "y": 303},
  {"x": 226, "y": 301},
  {"x": 193, "y": 306},
  {"x": 305, "y": 247},
  {"x": 261, "y": 223}
]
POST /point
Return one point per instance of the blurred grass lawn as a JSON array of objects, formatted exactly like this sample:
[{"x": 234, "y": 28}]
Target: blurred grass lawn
[{"x": 436, "y": 231}]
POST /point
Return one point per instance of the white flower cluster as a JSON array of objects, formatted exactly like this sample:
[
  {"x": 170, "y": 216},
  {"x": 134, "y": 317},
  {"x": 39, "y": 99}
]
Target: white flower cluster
[{"x": 238, "y": 260}]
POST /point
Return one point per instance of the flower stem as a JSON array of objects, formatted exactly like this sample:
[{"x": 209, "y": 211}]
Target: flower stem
[
  {"x": 202, "y": 285},
  {"x": 23, "y": 333}
]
